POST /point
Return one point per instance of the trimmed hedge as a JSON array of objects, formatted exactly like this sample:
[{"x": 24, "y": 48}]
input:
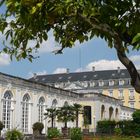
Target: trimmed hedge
[
  {"x": 106, "y": 127},
  {"x": 125, "y": 127}
]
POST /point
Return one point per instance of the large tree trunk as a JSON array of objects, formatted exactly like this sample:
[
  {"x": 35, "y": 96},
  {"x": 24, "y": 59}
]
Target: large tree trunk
[{"x": 135, "y": 76}]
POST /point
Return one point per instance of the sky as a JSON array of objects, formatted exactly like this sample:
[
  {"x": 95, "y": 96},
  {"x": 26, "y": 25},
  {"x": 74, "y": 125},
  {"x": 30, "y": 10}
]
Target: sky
[{"x": 82, "y": 57}]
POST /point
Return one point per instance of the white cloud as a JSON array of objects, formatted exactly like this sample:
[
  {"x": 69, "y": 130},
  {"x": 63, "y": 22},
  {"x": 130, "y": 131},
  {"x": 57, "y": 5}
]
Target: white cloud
[
  {"x": 60, "y": 70},
  {"x": 105, "y": 65},
  {"x": 4, "y": 59},
  {"x": 136, "y": 60},
  {"x": 47, "y": 46}
]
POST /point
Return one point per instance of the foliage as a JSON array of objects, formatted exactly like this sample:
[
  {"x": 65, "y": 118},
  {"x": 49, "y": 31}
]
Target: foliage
[
  {"x": 51, "y": 113},
  {"x": 136, "y": 116},
  {"x": 66, "y": 114},
  {"x": 106, "y": 127},
  {"x": 14, "y": 135},
  {"x": 78, "y": 110},
  {"x": 1, "y": 126},
  {"x": 70, "y": 21},
  {"x": 76, "y": 134},
  {"x": 53, "y": 133},
  {"x": 117, "y": 22},
  {"x": 118, "y": 131},
  {"x": 85, "y": 122},
  {"x": 38, "y": 126}
]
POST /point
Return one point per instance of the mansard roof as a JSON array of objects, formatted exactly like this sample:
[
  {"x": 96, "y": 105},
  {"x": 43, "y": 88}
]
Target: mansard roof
[{"x": 82, "y": 76}]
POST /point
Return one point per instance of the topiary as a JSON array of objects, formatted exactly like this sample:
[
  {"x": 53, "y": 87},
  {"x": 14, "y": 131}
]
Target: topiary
[{"x": 38, "y": 126}]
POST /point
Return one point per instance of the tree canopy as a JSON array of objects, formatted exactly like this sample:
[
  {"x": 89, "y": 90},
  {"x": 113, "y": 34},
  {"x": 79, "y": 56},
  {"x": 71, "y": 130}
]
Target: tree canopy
[{"x": 117, "y": 22}]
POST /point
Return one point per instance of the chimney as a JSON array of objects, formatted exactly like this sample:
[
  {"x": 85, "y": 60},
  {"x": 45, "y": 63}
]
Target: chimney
[
  {"x": 119, "y": 70},
  {"x": 67, "y": 70},
  {"x": 93, "y": 69},
  {"x": 34, "y": 75}
]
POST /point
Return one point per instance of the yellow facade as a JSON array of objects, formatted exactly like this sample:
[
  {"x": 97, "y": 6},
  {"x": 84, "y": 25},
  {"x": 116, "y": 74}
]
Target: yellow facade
[
  {"x": 126, "y": 98},
  {"x": 92, "y": 104}
]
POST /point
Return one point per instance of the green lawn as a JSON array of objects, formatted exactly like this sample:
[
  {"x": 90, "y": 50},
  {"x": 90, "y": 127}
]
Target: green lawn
[{"x": 116, "y": 138}]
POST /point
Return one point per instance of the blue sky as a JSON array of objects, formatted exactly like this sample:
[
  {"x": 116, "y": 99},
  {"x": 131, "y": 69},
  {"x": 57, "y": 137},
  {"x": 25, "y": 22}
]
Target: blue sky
[{"x": 80, "y": 58}]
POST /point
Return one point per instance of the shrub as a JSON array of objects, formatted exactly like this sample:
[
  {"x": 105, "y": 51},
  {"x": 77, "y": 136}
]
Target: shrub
[
  {"x": 76, "y": 134},
  {"x": 1, "y": 126},
  {"x": 14, "y": 135},
  {"x": 118, "y": 131},
  {"x": 136, "y": 116},
  {"x": 106, "y": 127},
  {"x": 53, "y": 133},
  {"x": 38, "y": 126}
]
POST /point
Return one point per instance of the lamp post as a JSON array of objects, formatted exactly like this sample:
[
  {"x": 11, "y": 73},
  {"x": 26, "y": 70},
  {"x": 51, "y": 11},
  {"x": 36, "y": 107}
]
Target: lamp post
[
  {"x": 94, "y": 117},
  {"x": 12, "y": 114}
]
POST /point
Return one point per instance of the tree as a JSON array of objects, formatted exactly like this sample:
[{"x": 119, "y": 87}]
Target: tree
[
  {"x": 81, "y": 20},
  {"x": 66, "y": 114},
  {"x": 78, "y": 110},
  {"x": 136, "y": 117},
  {"x": 51, "y": 113}
]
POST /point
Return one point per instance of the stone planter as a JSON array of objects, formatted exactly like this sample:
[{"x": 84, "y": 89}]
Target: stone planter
[
  {"x": 36, "y": 133},
  {"x": 85, "y": 131},
  {"x": 66, "y": 132}
]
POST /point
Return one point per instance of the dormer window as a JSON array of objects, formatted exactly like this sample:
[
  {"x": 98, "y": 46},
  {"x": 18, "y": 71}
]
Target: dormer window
[
  {"x": 84, "y": 84},
  {"x": 111, "y": 83},
  {"x": 121, "y": 82},
  {"x": 69, "y": 77},
  {"x": 60, "y": 78},
  {"x": 113, "y": 74},
  {"x": 92, "y": 84},
  {"x": 101, "y": 83}
]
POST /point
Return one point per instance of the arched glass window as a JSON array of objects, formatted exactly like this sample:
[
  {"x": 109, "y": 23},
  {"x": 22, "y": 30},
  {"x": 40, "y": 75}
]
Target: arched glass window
[
  {"x": 41, "y": 108},
  {"x": 116, "y": 114},
  {"x": 111, "y": 113},
  {"x": 102, "y": 112},
  {"x": 25, "y": 112},
  {"x": 54, "y": 103},
  {"x": 6, "y": 116},
  {"x": 66, "y": 103}
]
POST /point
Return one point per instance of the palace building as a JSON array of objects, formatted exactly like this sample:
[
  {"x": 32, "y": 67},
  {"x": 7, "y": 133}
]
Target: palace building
[
  {"x": 24, "y": 102},
  {"x": 113, "y": 83}
]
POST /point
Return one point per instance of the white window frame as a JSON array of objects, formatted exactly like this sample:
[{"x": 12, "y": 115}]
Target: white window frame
[
  {"x": 131, "y": 104},
  {"x": 111, "y": 82},
  {"x": 110, "y": 92},
  {"x": 101, "y": 83},
  {"x": 25, "y": 113},
  {"x": 41, "y": 109},
  {"x": 121, "y": 94},
  {"x": 121, "y": 82},
  {"x": 7, "y": 105},
  {"x": 131, "y": 92}
]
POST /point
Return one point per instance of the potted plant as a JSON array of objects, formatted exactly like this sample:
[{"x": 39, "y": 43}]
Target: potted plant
[
  {"x": 77, "y": 110},
  {"x": 14, "y": 135},
  {"x": 37, "y": 128},
  {"x": 65, "y": 114},
  {"x": 1, "y": 127},
  {"x": 86, "y": 125},
  {"x": 76, "y": 134},
  {"x": 51, "y": 113},
  {"x": 53, "y": 134}
]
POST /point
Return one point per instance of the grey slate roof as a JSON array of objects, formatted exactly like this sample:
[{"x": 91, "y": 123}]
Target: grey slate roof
[{"x": 82, "y": 76}]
